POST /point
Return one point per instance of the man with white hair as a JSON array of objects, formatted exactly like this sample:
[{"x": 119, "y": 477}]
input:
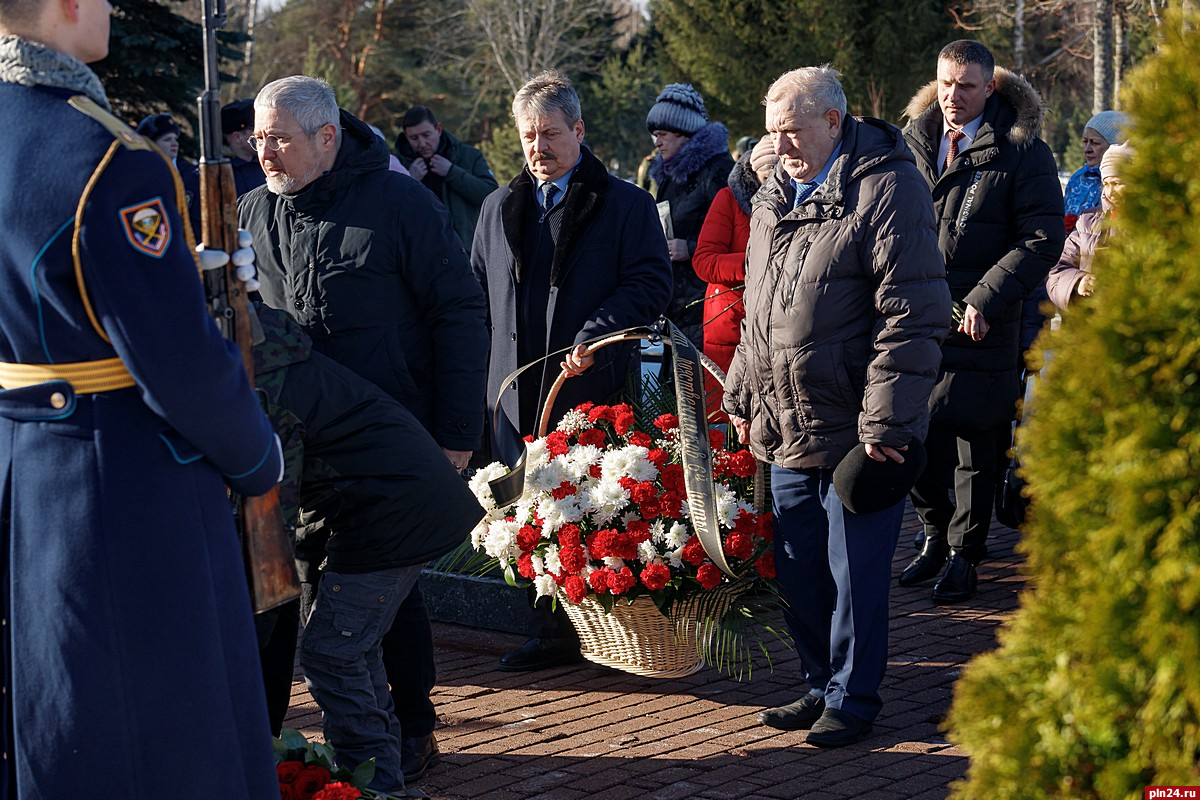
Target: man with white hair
[
  {"x": 846, "y": 306},
  {"x": 368, "y": 263}
]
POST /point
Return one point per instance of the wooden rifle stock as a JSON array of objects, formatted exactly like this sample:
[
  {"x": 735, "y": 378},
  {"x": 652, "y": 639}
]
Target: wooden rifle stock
[{"x": 266, "y": 548}]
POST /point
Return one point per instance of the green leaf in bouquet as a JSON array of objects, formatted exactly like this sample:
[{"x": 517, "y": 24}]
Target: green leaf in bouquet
[
  {"x": 605, "y": 601},
  {"x": 293, "y": 739},
  {"x": 281, "y": 750},
  {"x": 363, "y": 774},
  {"x": 323, "y": 755}
]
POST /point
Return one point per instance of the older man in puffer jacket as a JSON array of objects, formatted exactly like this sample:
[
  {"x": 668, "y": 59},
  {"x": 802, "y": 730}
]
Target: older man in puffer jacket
[{"x": 846, "y": 308}]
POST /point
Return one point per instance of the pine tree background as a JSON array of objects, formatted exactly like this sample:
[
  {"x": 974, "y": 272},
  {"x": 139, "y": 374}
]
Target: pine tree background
[{"x": 1094, "y": 691}]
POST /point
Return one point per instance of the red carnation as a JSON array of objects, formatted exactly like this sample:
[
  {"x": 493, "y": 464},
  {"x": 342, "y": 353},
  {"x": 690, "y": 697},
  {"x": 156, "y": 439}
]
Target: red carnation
[
  {"x": 338, "y": 791},
  {"x": 288, "y": 771},
  {"x": 765, "y": 566},
  {"x": 739, "y": 545},
  {"x": 641, "y": 491},
  {"x": 716, "y": 438},
  {"x": 623, "y": 423},
  {"x": 622, "y": 408},
  {"x": 569, "y": 534},
  {"x": 598, "y": 578},
  {"x": 665, "y": 422},
  {"x": 576, "y": 588},
  {"x": 605, "y": 413},
  {"x": 557, "y": 443},
  {"x": 564, "y": 489},
  {"x": 525, "y": 566},
  {"x": 650, "y": 509},
  {"x": 595, "y": 471},
  {"x": 584, "y": 408},
  {"x": 709, "y": 576},
  {"x": 604, "y": 544},
  {"x": 671, "y": 505},
  {"x": 655, "y": 576},
  {"x": 621, "y": 582},
  {"x": 528, "y": 438},
  {"x": 528, "y": 538},
  {"x": 592, "y": 436},
  {"x": 311, "y": 780},
  {"x": 639, "y": 529},
  {"x": 640, "y": 439},
  {"x": 628, "y": 484},
  {"x": 766, "y": 526},
  {"x": 672, "y": 479},
  {"x": 693, "y": 551},
  {"x": 572, "y": 558},
  {"x": 658, "y": 457},
  {"x": 742, "y": 464}
]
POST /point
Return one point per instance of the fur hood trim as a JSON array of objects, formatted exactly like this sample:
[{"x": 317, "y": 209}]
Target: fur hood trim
[
  {"x": 709, "y": 141},
  {"x": 1011, "y": 87},
  {"x": 743, "y": 183}
]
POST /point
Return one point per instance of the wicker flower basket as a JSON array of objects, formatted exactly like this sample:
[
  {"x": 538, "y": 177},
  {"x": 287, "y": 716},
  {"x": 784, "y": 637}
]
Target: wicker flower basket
[{"x": 637, "y": 638}]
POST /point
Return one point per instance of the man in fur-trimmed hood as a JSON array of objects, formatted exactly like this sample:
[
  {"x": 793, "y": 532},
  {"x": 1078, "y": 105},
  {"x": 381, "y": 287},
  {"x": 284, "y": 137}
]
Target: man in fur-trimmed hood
[{"x": 975, "y": 135}]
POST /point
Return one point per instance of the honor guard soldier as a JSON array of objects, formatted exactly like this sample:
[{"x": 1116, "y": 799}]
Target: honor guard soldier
[{"x": 127, "y": 641}]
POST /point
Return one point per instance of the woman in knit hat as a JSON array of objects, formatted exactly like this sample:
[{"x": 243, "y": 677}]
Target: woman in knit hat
[
  {"x": 1083, "y": 189},
  {"x": 1072, "y": 275},
  {"x": 163, "y": 130},
  {"x": 720, "y": 259},
  {"x": 692, "y": 165}
]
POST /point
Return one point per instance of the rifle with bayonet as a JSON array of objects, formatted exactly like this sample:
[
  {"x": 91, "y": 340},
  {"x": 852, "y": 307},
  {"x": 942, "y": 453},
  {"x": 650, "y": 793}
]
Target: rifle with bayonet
[{"x": 268, "y": 553}]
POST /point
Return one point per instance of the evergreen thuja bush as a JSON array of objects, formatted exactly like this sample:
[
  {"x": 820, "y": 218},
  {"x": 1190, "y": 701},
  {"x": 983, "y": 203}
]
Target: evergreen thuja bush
[{"x": 1094, "y": 690}]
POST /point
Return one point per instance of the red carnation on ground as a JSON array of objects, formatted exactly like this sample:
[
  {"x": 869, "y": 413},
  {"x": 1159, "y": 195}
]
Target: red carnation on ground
[
  {"x": 621, "y": 582},
  {"x": 693, "y": 551},
  {"x": 594, "y": 437},
  {"x": 338, "y": 791},
  {"x": 656, "y": 576},
  {"x": 739, "y": 545},
  {"x": 709, "y": 576},
  {"x": 576, "y": 588},
  {"x": 665, "y": 422},
  {"x": 765, "y": 566},
  {"x": 598, "y": 579}
]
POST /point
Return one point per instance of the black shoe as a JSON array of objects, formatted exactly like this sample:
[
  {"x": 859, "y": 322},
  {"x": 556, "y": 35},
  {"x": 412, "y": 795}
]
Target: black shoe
[
  {"x": 417, "y": 755},
  {"x": 797, "y": 716},
  {"x": 926, "y": 565},
  {"x": 957, "y": 582},
  {"x": 837, "y": 728},
  {"x": 919, "y": 540},
  {"x": 540, "y": 654}
]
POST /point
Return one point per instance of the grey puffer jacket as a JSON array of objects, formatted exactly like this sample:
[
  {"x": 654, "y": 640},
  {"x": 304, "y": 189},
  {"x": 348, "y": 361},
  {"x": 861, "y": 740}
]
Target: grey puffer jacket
[{"x": 846, "y": 307}]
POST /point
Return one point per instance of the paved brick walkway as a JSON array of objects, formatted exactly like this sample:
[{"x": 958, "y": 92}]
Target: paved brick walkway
[{"x": 585, "y": 731}]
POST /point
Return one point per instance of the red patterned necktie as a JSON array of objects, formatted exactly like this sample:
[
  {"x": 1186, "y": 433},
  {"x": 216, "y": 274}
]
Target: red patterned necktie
[{"x": 952, "y": 150}]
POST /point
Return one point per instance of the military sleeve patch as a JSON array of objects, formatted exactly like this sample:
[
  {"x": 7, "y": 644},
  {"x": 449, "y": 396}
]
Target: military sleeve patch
[{"x": 146, "y": 227}]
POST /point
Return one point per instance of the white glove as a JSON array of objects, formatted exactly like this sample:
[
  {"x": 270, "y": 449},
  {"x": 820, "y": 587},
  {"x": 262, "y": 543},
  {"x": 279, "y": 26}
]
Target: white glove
[{"x": 243, "y": 260}]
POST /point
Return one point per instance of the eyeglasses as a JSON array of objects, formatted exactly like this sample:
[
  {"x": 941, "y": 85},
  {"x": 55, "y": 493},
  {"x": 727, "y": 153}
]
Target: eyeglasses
[{"x": 274, "y": 143}]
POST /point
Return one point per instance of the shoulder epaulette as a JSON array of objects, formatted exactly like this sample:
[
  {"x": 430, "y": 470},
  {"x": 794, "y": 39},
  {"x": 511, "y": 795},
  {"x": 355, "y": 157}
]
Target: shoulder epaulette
[{"x": 128, "y": 137}]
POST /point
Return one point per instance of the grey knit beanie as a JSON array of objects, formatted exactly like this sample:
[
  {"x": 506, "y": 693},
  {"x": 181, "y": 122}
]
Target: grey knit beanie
[
  {"x": 678, "y": 109},
  {"x": 1109, "y": 124}
]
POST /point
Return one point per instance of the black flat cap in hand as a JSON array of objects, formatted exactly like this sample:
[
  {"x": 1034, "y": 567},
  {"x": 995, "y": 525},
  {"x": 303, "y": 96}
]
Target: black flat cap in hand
[{"x": 865, "y": 485}]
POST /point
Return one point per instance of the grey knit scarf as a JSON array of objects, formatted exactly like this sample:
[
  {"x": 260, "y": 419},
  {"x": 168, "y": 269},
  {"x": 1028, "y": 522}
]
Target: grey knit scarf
[{"x": 28, "y": 63}]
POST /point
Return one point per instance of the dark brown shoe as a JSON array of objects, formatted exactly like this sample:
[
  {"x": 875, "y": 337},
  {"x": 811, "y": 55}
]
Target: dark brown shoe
[
  {"x": 837, "y": 728},
  {"x": 417, "y": 755},
  {"x": 797, "y": 716}
]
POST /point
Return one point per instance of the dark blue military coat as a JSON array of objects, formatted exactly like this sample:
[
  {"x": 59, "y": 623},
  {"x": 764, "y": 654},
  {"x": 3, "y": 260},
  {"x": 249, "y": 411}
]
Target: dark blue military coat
[{"x": 130, "y": 664}]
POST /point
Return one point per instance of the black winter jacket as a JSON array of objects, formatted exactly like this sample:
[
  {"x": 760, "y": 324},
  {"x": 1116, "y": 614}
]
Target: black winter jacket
[
  {"x": 1000, "y": 229},
  {"x": 376, "y": 490},
  {"x": 367, "y": 261}
]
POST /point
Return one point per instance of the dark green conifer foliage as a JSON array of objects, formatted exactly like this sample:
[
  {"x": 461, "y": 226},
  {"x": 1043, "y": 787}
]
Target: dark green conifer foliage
[{"x": 1094, "y": 691}]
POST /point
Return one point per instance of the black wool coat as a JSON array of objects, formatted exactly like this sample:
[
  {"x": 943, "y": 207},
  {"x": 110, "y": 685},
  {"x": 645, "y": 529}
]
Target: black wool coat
[
  {"x": 609, "y": 271},
  {"x": 999, "y": 209}
]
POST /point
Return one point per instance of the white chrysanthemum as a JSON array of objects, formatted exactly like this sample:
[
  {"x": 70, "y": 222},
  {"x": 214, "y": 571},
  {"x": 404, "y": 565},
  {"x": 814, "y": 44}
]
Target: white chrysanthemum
[
  {"x": 573, "y": 422},
  {"x": 678, "y": 536},
  {"x": 727, "y": 505},
  {"x": 537, "y": 453},
  {"x": 539, "y": 566},
  {"x": 607, "y": 499},
  {"x": 658, "y": 532},
  {"x": 501, "y": 540},
  {"x": 544, "y": 585},
  {"x": 479, "y": 484},
  {"x": 553, "y": 565},
  {"x": 478, "y": 533},
  {"x": 647, "y": 552},
  {"x": 628, "y": 461},
  {"x": 675, "y": 557},
  {"x": 579, "y": 460},
  {"x": 614, "y": 563},
  {"x": 545, "y": 477},
  {"x": 553, "y": 513}
]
